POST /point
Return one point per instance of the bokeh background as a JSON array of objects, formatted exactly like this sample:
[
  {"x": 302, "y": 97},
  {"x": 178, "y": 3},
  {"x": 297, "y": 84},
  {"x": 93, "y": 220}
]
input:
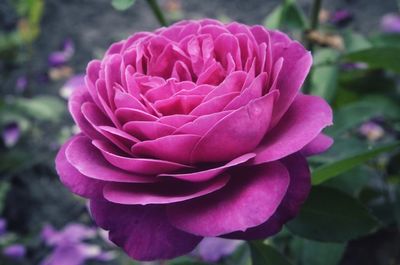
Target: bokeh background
[{"x": 44, "y": 44}]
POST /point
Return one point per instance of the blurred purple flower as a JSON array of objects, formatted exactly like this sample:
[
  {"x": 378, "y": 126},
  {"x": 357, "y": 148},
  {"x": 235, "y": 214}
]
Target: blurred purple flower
[
  {"x": 390, "y": 23},
  {"x": 58, "y": 58},
  {"x": 73, "y": 83},
  {"x": 353, "y": 66},
  {"x": 11, "y": 133},
  {"x": 15, "y": 251},
  {"x": 371, "y": 130},
  {"x": 213, "y": 249},
  {"x": 69, "y": 248},
  {"x": 3, "y": 226},
  {"x": 341, "y": 17},
  {"x": 21, "y": 84}
]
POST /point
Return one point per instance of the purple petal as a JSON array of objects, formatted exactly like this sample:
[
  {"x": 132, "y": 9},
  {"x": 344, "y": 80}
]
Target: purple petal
[
  {"x": 142, "y": 231},
  {"x": 15, "y": 251},
  {"x": 304, "y": 120},
  {"x": 390, "y": 23},
  {"x": 11, "y": 134},
  {"x": 319, "y": 145},
  {"x": 213, "y": 249},
  {"x": 251, "y": 197}
]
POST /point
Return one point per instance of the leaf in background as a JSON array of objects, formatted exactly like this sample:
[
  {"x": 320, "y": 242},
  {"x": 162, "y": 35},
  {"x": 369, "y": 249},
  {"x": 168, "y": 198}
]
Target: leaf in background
[
  {"x": 378, "y": 57},
  {"x": 324, "y": 75},
  {"x": 328, "y": 253},
  {"x": 354, "y": 114},
  {"x": 330, "y": 215},
  {"x": 386, "y": 40},
  {"x": 286, "y": 15},
  {"x": 4, "y": 188},
  {"x": 262, "y": 254},
  {"x": 122, "y": 5},
  {"x": 353, "y": 181},
  {"x": 325, "y": 172},
  {"x": 45, "y": 108},
  {"x": 355, "y": 41}
]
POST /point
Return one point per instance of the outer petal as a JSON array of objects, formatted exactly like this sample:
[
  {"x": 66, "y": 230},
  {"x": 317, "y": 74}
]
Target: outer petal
[
  {"x": 304, "y": 120},
  {"x": 145, "y": 166},
  {"x": 296, "y": 65},
  {"x": 251, "y": 198},
  {"x": 237, "y": 133},
  {"x": 299, "y": 188},
  {"x": 142, "y": 231},
  {"x": 84, "y": 157},
  {"x": 73, "y": 179},
  {"x": 161, "y": 193},
  {"x": 319, "y": 145}
]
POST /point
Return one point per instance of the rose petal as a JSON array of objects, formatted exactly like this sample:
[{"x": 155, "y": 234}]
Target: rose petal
[
  {"x": 236, "y": 134},
  {"x": 85, "y": 158},
  {"x": 304, "y": 120},
  {"x": 73, "y": 179},
  {"x": 163, "y": 193},
  {"x": 207, "y": 174},
  {"x": 176, "y": 148},
  {"x": 148, "y": 130},
  {"x": 142, "y": 231},
  {"x": 251, "y": 197},
  {"x": 145, "y": 166},
  {"x": 319, "y": 145},
  {"x": 297, "y": 192}
]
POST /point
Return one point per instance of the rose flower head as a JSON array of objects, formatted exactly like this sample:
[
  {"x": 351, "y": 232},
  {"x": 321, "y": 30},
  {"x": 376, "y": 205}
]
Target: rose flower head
[{"x": 194, "y": 130}]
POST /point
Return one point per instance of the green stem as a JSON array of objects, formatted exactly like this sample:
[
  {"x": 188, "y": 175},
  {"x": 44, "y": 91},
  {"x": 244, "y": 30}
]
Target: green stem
[
  {"x": 314, "y": 20},
  {"x": 157, "y": 12}
]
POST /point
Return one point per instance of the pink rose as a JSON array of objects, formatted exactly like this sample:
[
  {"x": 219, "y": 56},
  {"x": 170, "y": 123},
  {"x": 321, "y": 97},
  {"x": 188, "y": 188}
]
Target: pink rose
[{"x": 195, "y": 130}]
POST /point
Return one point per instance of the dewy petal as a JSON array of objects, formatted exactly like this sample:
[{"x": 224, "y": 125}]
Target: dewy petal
[
  {"x": 175, "y": 148},
  {"x": 142, "y": 231},
  {"x": 304, "y": 120},
  {"x": 319, "y": 145},
  {"x": 207, "y": 174},
  {"x": 251, "y": 197},
  {"x": 236, "y": 134},
  {"x": 145, "y": 166},
  {"x": 299, "y": 188},
  {"x": 73, "y": 179},
  {"x": 161, "y": 193},
  {"x": 85, "y": 158}
]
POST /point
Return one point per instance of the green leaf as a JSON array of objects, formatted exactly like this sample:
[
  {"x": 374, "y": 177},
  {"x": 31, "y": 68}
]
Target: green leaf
[
  {"x": 286, "y": 15},
  {"x": 331, "y": 170},
  {"x": 330, "y": 215},
  {"x": 122, "y": 5},
  {"x": 328, "y": 253},
  {"x": 262, "y": 254},
  {"x": 4, "y": 188},
  {"x": 386, "y": 40},
  {"x": 324, "y": 77},
  {"x": 44, "y": 108},
  {"x": 355, "y": 41},
  {"x": 354, "y": 114},
  {"x": 378, "y": 57}
]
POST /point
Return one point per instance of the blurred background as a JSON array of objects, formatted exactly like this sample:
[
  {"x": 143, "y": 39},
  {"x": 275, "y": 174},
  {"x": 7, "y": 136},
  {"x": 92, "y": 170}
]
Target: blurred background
[{"x": 46, "y": 44}]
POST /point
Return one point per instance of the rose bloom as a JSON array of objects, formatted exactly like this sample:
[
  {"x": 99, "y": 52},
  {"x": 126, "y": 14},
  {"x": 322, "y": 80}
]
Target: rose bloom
[{"x": 195, "y": 130}]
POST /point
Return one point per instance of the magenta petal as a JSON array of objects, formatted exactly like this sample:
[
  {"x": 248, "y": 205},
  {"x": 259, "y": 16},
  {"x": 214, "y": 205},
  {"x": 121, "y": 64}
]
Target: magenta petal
[
  {"x": 202, "y": 124},
  {"x": 319, "y": 145},
  {"x": 299, "y": 188},
  {"x": 148, "y": 130},
  {"x": 125, "y": 100},
  {"x": 214, "y": 105},
  {"x": 296, "y": 65},
  {"x": 232, "y": 83},
  {"x": 176, "y": 120},
  {"x": 74, "y": 180},
  {"x": 236, "y": 134},
  {"x": 145, "y": 166},
  {"x": 251, "y": 197},
  {"x": 207, "y": 174},
  {"x": 85, "y": 158},
  {"x": 125, "y": 115},
  {"x": 142, "y": 231},
  {"x": 304, "y": 120},
  {"x": 79, "y": 97},
  {"x": 162, "y": 193},
  {"x": 176, "y": 148}
]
